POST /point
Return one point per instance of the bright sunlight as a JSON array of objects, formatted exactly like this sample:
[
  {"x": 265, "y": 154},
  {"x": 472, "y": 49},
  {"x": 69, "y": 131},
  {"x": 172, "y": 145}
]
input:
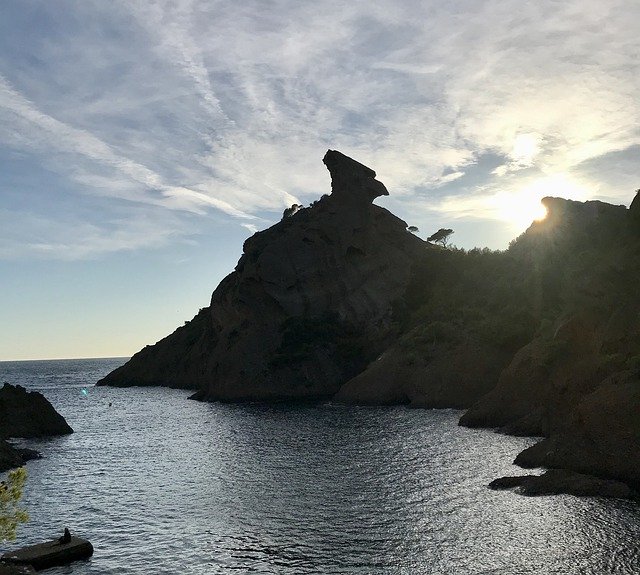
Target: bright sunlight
[{"x": 523, "y": 207}]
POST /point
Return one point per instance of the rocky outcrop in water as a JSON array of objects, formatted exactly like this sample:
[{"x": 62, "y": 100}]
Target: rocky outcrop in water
[
  {"x": 25, "y": 414},
  {"x": 308, "y": 306},
  {"x": 28, "y": 414},
  {"x": 557, "y": 481}
]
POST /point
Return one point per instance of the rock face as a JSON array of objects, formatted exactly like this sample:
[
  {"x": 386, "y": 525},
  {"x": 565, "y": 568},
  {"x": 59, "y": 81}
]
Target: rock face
[
  {"x": 536, "y": 392},
  {"x": 25, "y": 414},
  {"x": 444, "y": 374},
  {"x": 308, "y": 306},
  {"x": 577, "y": 383}
]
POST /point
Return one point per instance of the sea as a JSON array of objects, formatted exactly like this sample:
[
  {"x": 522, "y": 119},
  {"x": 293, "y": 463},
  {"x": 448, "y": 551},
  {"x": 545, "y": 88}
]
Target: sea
[{"x": 161, "y": 484}]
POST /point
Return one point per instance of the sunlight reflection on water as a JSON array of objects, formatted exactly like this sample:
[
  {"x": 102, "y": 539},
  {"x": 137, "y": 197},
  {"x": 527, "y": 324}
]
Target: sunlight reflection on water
[{"x": 165, "y": 485}]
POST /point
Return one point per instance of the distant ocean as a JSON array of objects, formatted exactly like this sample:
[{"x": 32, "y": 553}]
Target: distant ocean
[{"x": 163, "y": 485}]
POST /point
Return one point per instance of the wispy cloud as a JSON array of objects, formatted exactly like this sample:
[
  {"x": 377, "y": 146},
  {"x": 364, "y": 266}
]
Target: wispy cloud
[
  {"x": 57, "y": 136},
  {"x": 28, "y": 235},
  {"x": 189, "y": 105}
]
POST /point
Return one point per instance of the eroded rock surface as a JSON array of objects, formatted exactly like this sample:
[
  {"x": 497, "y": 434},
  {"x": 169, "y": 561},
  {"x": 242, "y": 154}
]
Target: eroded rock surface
[{"x": 442, "y": 373}]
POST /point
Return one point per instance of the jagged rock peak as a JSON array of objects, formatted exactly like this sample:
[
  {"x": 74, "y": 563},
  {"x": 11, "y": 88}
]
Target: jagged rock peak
[
  {"x": 351, "y": 180},
  {"x": 634, "y": 208}
]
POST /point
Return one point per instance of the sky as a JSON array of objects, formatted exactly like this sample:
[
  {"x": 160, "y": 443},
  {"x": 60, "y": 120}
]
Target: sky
[{"x": 142, "y": 141}]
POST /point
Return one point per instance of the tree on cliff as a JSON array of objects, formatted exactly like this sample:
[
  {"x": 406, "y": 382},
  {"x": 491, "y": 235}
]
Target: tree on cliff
[
  {"x": 288, "y": 212},
  {"x": 11, "y": 515},
  {"x": 441, "y": 237}
]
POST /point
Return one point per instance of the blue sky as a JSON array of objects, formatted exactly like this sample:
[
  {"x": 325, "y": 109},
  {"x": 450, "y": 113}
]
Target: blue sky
[{"x": 142, "y": 141}]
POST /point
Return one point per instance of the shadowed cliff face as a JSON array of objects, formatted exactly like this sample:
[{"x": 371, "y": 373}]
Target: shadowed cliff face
[
  {"x": 307, "y": 307},
  {"x": 578, "y": 381}
]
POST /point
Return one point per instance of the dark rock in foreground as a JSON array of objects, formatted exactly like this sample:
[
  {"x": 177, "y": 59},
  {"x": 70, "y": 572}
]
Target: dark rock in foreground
[
  {"x": 28, "y": 414},
  {"x": 557, "y": 481},
  {"x": 25, "y": 414},
  {"x": 50, "y": 554},
  {"x": 11, "y": 456},
  {"x": 309, "y": 305}
]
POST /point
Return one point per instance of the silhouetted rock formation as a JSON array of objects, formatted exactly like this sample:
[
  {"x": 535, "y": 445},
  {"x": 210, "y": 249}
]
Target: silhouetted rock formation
[
  {"x": 28, "y": 414},
  {"x": 25, "y": 414},
  {"x": 578, "y": 381},
  {"x": 308, "y": 306}
]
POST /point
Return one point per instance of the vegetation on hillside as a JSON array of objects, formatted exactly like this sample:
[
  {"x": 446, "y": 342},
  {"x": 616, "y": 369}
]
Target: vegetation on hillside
[{"x": 558, "y": 269}]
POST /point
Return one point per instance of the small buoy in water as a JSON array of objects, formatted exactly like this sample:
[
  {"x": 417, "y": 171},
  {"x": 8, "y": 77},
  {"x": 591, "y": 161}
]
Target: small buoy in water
[{"x": 110, "y": 404}]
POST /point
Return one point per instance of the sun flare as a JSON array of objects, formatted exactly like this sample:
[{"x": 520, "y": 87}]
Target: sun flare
[{"x": 522, "y": 207}]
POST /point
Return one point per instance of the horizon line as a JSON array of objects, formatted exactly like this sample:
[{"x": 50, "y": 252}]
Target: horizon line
[{"x": 64, "y": 358}]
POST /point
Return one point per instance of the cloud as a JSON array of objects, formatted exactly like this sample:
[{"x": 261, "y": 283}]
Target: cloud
[
  {"x": 58, "y": 136},
  {"x": 26, "y": 234},
  {"x": 189, "y": 105}
]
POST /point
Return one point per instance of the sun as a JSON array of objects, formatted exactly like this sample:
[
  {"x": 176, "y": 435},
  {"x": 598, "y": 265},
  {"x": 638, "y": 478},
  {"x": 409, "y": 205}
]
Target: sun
[{"x": 524, "y": 206}]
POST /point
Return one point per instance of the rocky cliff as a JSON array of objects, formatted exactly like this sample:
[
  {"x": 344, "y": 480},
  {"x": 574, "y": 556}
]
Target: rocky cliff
[
  {"x": 308, "y": 306},
  {"x": 577, "y": 382}
]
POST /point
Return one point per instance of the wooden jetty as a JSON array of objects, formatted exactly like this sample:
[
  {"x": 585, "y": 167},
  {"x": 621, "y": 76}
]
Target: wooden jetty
[{"x": 50, "y": 554}]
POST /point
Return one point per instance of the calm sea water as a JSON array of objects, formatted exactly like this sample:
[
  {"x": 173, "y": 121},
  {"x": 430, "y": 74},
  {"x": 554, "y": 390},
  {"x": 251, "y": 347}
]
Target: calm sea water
[{"x": 164, "y": 485}]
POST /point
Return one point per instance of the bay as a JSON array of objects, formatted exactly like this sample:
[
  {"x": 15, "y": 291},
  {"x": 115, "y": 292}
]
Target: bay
[{"x": 164, "y": 485}]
